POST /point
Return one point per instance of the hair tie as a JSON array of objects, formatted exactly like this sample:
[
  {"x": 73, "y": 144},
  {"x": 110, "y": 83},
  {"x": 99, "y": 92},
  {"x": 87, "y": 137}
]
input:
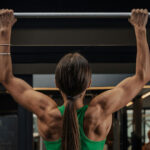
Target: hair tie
[{"x": 70, "y": 98}]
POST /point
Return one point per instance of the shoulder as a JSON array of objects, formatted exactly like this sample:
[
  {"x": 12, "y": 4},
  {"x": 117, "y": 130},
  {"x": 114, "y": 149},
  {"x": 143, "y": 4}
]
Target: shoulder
[
  {"x": 95, "y": 122},
  {"x": 95, "y": 107},
  {"x": 53, "y": 115},
  {"x": 147, "y": 146},
  {"x": 92, "y": 115},
  {"x": 50, "y": 127}
]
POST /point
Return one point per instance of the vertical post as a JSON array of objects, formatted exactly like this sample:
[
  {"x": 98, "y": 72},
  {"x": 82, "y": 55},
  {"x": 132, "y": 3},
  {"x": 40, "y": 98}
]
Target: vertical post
[
  {"x": 144, "y": 125},
  {"x": 123, "y": 129},
  {"x": 116, "y": 131},
  {"x": 25, "y": 123},
  {"x": 137, "y": 118}
]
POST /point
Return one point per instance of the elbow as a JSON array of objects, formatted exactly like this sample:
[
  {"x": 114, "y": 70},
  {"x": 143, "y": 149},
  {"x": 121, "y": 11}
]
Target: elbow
[
  {"x": 142, "y": 78},
  {"x": 140, "y": 75},
  {"x": 6, "y": 79}
]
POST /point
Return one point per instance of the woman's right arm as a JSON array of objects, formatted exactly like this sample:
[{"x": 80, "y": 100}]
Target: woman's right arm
[{"x": 21, "y": 91}]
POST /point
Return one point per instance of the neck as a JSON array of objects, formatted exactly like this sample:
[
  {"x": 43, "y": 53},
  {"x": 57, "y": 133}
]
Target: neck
[{"x": 78, "y": 102}]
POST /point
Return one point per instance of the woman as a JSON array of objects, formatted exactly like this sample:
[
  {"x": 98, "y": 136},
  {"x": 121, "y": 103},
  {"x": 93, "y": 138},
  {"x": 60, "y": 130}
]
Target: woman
[
  {"x": 147, "y": 145},
  {"x": 74, "y": 126}
]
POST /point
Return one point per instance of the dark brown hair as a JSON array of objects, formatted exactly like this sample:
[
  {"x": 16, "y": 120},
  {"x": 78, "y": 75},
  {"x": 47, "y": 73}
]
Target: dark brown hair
[
  {"x": 73, "y": 76},
  {"x": 148, "y": 134}
]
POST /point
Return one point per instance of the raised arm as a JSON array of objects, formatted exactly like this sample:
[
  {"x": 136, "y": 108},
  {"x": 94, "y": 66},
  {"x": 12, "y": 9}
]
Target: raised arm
[
  {"x": 112, "y": 100},
  {"x": 22, "y": 93}
]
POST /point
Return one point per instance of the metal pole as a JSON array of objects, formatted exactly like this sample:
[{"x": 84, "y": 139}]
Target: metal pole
[
  {"x": 137, "y": 124},
  {"x": 73, "y": 15}
]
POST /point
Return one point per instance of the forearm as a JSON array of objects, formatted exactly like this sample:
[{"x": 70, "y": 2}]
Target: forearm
[
  {"x": 5, "y": 60},
  {"x": 5, "y": 35},
  {"x": 143, "y": 55}
]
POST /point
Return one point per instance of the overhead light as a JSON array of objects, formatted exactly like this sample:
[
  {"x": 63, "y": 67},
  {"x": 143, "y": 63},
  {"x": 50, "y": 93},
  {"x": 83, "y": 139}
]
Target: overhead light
[
  {"x": 145, "y": 95},
  {"x": 129, "y": 104}
]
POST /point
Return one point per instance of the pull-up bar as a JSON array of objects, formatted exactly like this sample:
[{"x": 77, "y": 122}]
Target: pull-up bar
[{"x": 73, "y": 15}]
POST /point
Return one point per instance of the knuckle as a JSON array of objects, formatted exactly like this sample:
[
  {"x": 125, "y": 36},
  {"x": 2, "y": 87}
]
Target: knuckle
[
  {"x": 133, "y": 10},
  {"x": 145, "y": 11}
]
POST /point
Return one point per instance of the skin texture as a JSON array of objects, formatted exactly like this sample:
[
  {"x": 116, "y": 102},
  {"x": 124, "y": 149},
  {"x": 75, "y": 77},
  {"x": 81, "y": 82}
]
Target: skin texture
[
  {"x": 147, "y": 145},
  {"x": 98, "y": 117}
]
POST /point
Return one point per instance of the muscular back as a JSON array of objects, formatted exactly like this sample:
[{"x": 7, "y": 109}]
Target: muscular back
[
  {"x": 97, "y": 120},
  {"x": 95, "y": 126},
  {"x": 147, "y": 146}
]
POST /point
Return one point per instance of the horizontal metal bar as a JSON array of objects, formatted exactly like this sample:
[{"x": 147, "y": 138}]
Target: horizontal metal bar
[{"x": 73, "y": 14}]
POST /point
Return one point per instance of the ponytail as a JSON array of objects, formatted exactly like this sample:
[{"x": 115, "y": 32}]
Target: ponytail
[
  {"x": 70, "y": 133},
  {"x": 72, "y": 76}
]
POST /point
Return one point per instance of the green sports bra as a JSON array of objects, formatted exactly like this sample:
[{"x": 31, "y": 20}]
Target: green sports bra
[{"x": 86, "y": 143}]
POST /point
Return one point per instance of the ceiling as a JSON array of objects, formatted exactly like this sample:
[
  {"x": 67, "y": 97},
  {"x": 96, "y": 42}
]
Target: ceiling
[{"x": 73, "y": 5}]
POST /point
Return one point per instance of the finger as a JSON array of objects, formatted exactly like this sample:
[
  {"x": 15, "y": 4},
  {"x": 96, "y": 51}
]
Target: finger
[
  {"x": 133, "y": 10},
  {"x": 141, "y": 17},
  {"x": 14, "y": 21},
  {"x": 146, "y": 11},
  {"x": 144, "y": 17},
  {"x": 131, "y": 19},
  {"x": 138, "y": 16},
  {"x": 132, "y": 13}
]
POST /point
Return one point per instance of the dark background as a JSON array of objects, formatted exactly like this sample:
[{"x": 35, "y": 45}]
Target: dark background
[{"x": 73, "y": 5}]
